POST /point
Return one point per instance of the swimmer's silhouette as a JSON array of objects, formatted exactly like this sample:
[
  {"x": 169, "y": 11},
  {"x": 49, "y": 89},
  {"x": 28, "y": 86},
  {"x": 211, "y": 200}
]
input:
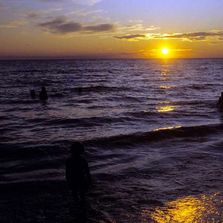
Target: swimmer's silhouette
[
  {"x": 43, "y": 94},
  {"x": 77, "y": 172},
  {"x": 33, "y": 94},
  {"x": 220, "y": 101}
]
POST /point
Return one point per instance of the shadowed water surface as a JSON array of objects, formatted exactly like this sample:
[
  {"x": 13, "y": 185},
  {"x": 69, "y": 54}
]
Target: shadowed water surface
[{"x": 152, "y": 132}]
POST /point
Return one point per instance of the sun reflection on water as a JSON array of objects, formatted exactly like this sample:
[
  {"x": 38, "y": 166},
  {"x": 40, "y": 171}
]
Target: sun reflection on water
[
  {"x": 166, "y": 87},
  {"x": 168, "y": 128},
  {"x": 164, "y": 75},
  {"x": 165, "y": 108},
  {"x": 202, "y": 209}
]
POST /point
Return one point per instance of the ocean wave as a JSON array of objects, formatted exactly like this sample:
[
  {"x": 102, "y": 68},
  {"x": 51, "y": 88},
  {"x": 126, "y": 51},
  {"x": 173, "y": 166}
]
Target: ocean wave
[
  {"x": 84, "y": 122},
  {"x": 98, "y": 88},
  {"x": 158, "y": 134}
]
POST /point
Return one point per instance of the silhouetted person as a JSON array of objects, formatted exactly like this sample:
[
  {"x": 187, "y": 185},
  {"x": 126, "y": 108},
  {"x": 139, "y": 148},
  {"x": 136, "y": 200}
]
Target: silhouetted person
[
  {"x": 77, "y": 172},
  {"x": 33, "y": 94},
  {"x": 220, "y": 101},
  {"x": 43, "y": 94}
]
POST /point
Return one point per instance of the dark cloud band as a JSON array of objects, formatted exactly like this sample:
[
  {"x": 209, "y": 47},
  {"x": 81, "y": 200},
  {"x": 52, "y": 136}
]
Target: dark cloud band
[
  {"x": 196, "y": 36},
  {"x": 62, "y": 26},
  {"x": 134, "y": 36}
]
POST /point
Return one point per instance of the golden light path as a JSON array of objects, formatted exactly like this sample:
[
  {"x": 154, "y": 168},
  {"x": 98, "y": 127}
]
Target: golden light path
[
  {"x": 166, "y": 87},
  {"x": 190, "y": 209},
  {"x": 165, "y": 108},
  {"x": 168, "y": 128}
]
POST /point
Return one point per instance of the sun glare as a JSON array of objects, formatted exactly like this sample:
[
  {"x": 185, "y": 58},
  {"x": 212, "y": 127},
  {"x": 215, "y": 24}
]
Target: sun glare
[{"x": 165, "y": 51}]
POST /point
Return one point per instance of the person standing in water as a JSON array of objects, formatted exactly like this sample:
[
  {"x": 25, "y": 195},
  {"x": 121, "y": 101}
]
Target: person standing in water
[
  {"x": 43, "y": 94},
  {"x": 77, "y": 172},
  {"x": 220, "y": 102}
]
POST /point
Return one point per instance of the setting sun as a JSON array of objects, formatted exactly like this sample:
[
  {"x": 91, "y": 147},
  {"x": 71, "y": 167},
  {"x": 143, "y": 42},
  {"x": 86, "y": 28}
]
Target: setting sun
[{"x": 165, "y": 51}]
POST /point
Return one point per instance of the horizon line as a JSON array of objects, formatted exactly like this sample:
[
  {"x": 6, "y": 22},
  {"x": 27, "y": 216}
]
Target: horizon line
[{"x": 101, "y": 58}]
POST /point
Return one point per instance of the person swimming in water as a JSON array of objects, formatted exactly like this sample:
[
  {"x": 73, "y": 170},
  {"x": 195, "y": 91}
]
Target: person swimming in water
[
  {"x": 77, "y": 172},
  {"x": 43, "y": 94}
]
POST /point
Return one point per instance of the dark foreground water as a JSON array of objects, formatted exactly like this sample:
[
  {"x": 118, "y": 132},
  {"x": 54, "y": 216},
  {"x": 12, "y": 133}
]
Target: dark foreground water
[{"x": 153, "y": 134}]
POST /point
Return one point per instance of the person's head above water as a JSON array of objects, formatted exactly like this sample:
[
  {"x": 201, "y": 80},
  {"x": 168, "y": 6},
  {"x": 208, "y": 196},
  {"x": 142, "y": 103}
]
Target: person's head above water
[
  {"x": 77, "y": 148},
  {"x": 43, "y": 88}
]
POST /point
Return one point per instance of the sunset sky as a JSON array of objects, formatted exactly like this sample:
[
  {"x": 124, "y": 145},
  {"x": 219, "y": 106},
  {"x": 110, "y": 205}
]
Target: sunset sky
[{"x": 111, "y": 28}]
